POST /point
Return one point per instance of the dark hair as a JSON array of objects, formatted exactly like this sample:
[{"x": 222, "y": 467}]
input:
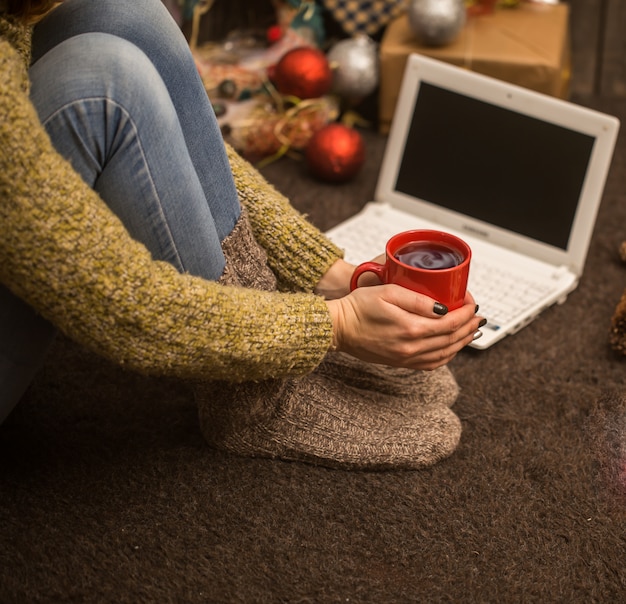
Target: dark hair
[{"x": 28, "y": 10}]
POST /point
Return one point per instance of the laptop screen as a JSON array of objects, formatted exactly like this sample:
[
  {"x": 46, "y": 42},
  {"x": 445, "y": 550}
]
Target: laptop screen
[{"x": 494, "y": 164}]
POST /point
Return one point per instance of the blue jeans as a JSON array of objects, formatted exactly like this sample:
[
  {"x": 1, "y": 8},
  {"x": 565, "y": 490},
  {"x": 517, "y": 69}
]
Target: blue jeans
[{"x": 118, "y": 91}]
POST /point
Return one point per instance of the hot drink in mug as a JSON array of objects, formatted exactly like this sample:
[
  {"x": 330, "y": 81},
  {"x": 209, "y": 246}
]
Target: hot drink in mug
[{"x": 430, "y": 262}]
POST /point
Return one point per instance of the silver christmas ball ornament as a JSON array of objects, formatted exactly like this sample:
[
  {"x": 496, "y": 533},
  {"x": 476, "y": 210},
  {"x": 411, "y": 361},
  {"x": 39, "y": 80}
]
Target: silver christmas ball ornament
[
  {"x": 354, "y": 63},
  {"x": 436, "y": 22}
]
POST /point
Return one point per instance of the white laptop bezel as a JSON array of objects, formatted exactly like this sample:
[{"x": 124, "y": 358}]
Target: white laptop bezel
[{"x": 602, "y": 127}]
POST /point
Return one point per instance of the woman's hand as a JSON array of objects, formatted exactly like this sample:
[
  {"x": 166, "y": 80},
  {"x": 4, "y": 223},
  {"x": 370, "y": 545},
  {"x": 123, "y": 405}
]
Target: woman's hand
[{"x": 395, "y": 326}]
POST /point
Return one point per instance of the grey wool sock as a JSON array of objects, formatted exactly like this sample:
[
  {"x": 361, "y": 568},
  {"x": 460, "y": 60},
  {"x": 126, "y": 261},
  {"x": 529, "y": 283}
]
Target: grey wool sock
[
  {"x": 414, "y": 387},
  {"x": 321, "y": 420},
  {"x": 246, "y": 260},
  {"x": 345, "y": 414}
]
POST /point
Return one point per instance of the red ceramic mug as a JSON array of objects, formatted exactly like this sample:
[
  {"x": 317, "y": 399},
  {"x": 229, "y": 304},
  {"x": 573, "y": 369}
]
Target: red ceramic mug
[{"x": 430, "y": 262}]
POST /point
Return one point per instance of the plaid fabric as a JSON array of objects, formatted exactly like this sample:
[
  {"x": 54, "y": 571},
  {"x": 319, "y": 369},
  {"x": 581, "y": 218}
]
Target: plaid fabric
[{"x": 364, "y": 16}]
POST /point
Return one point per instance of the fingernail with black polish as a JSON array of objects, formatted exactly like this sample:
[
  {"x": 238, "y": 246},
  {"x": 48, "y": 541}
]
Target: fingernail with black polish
[
  {"x": 482, "y": 323},
  {"x": 476, "y": 310},
  {"x": 440, "y": 309}
]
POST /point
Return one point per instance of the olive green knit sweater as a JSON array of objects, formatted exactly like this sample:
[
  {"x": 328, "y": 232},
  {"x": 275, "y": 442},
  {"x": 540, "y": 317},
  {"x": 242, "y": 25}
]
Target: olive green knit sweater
[{"x": 68, "y": 256}]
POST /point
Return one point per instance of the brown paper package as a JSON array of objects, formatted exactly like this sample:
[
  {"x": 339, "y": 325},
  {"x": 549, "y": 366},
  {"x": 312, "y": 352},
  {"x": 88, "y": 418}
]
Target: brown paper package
[{"x": 527, "y": 45}]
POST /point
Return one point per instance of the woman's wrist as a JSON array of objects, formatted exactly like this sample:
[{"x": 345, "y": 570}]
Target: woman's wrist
[
  {"x": 335, "y": 310},
  {"x": 335, "y": 283}
]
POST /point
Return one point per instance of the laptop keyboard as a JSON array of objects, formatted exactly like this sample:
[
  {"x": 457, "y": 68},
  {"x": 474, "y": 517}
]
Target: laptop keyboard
[
  {"x": 359, "y": 243},
  {"x": 503, "y": 295}
]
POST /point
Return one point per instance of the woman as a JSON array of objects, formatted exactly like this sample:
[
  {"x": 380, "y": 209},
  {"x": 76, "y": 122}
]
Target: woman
[{"x": 130, "y": 227}]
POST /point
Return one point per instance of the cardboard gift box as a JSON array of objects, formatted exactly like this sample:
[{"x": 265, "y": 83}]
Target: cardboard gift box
[{"x": 527, "y": 45}]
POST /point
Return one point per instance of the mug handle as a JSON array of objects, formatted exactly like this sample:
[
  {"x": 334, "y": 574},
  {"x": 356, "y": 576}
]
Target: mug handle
[{"x": 366, "y": 267}]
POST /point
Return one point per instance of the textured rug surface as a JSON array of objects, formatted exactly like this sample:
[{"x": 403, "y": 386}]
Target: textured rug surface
[{"x": 109, "y": 494}]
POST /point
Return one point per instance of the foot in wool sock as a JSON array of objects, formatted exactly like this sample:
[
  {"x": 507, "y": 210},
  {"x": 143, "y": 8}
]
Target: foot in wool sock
[
  {"x": 346, "y": 414},
  {"x": 415, "y": 387},
  {"x": 320, "y": 420}
]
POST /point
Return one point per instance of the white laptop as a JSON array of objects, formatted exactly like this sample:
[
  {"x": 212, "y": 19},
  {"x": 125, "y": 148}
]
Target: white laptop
[{"x": 517, "y": 174}]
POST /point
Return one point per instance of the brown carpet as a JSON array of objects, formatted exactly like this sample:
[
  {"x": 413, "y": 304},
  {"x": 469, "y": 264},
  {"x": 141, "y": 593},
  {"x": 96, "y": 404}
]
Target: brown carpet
[{"x": 109, "y": 494}]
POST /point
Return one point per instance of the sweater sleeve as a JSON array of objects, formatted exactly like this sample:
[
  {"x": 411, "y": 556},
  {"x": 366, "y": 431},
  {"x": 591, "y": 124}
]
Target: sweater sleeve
[
  {"x": 67, "y": 255},
  {"x": 298, "y": 253}
]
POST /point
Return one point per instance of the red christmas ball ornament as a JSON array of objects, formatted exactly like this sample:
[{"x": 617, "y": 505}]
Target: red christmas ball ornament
[
  {"x": 274, "y": 34},
  {"x": 302, "y": 72},
  {"x": 335, "y": 153}
]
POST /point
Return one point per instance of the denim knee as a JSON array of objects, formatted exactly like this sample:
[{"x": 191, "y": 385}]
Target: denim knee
[{"x": 112, "y": 117}]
